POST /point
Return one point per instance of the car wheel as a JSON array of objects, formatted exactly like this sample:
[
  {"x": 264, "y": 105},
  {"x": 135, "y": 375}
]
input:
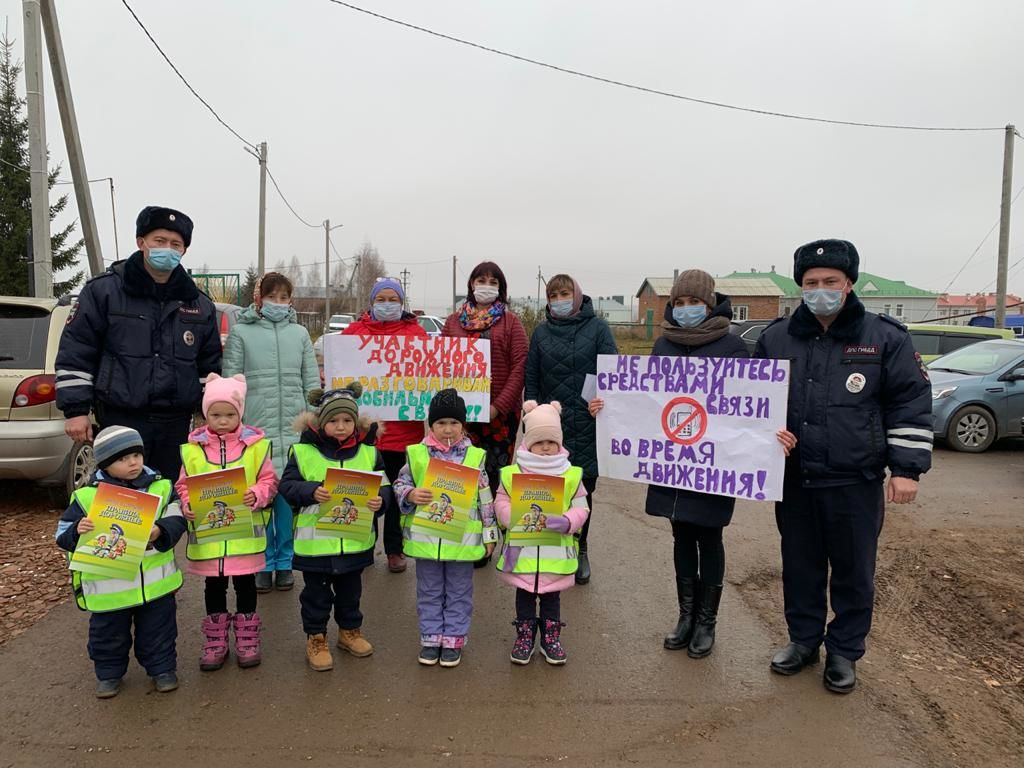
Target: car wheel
[
  {"x": 972, "y": 430},
  {"x": 81, "y": 467}
]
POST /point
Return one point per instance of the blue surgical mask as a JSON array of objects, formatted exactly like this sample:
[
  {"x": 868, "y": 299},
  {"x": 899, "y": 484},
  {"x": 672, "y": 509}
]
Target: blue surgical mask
[
  {"x": 163, "y": 259},
  {"x": 823, "y": 302},
  {"x": 386, "y": 311},
  {"x": 561, "y": 308},
  {"x": 690, "y": 316},
  {"x": 275, "y": 313}
]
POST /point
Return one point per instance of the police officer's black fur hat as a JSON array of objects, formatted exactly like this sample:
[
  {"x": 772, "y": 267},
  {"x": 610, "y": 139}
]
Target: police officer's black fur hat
[
  {"x": 156, "y": 217},
  {"x": 832, "y": 254}
]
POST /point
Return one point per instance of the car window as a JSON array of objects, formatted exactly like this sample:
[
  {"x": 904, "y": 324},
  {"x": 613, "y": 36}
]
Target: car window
[
  {"x": 981, "y": 358},
  {"x": 925, "y": 343},
  {"x": 428, "y": 324},
  {"x": 954, "y": 342},
  {"x": 752, "y": 333},
  {"x": 23, "y": 335}
]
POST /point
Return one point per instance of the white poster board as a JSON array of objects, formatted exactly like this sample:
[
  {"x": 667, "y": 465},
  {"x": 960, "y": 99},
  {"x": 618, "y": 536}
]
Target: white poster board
[
  {"x": 702, "y": 424},
  {"x": 400, "y": 374}
]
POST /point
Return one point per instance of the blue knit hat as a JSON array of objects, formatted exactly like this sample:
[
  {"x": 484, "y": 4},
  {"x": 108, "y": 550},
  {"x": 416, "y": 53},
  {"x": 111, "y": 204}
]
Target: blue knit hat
[
  {"x": 387, "y": 282},
  {"x": 113, "y": 443}
]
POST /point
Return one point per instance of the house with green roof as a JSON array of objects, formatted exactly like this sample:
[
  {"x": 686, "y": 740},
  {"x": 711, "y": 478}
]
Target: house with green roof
[{"x": 879, "y": 294}]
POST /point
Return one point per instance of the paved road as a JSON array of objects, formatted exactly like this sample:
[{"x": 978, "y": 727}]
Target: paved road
[{"x": 621, "y": 698}]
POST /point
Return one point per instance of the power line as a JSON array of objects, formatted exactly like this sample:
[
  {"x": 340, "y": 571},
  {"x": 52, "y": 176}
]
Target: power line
[
  {"x": 980, "y": 313},
  {"x": 290, "y": 208},
  {"x": 978, "y": 248},
  {"x": 653, "y": 91},
  {"x": 188, "y": 85}
]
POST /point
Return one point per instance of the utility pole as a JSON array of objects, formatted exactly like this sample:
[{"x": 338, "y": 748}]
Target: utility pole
[
  {"x": 540, "y": 282},
  {"x": 113, "y": 215},
  {"x": 405, "y": 284},
  {"x": 261, "y": 242},
  {"x": 1004, "y": 228},
  {"x": 69, "y": 124},
  {"x": 454, "y": 283},
  {"x": 327, "y": 269},
  {"x": 42, "y": 258}
]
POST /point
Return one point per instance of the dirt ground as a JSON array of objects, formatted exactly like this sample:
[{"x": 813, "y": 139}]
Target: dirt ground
[{"x": 942, "y": 683}]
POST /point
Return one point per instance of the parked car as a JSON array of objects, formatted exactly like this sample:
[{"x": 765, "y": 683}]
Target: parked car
[
  {"x": 431, "y": 324},
  {"x": 227, "y": 316},
  {"x": 749, "y": 331},
  {"x": 978, "y": 394},
  {"x": 318, "y": 347},
  {"x": 339, "y": 323},
  {"x": 932, "y": 341},
  {"x": 33, "y": 445}
]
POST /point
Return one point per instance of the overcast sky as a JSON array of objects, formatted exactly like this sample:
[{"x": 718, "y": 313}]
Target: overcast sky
[{"x": 429, "y": 149}]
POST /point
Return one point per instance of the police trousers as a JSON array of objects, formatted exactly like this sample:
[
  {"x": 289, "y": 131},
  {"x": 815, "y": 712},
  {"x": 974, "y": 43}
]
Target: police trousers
[{"x": 833, "y": 528}]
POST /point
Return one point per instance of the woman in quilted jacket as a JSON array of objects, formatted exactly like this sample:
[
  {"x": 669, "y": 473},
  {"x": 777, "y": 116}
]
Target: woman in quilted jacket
[
  {"x": 275, "y": 354},
  {"x": 563, "y": 350}
]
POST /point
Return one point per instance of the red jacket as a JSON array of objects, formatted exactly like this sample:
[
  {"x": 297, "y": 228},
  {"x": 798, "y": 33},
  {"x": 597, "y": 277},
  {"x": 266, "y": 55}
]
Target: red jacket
[
  {"x": 509, "y": 347},
  {"x": 398, "y": 435}
]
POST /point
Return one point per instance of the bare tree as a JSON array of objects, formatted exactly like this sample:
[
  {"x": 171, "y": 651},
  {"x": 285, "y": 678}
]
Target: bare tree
[
  {"x": 314, "y": 276},
  {"x": 369, "y": 267},
  {"x": 294, "y": 271}
]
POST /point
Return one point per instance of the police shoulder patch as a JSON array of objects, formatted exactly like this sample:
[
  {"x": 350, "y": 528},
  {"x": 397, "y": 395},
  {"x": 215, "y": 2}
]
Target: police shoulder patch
[{"x": 921, "y": 366}]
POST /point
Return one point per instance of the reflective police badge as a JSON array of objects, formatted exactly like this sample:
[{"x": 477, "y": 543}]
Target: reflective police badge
[
  {"x": 855, "y": 382},
  {"x": 189, "y": 338}
]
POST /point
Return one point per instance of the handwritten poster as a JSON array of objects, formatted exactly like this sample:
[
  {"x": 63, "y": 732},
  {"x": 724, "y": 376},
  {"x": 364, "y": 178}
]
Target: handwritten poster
[
  {"x": 702, "y": 424},
  {"x": 400, "y": 374}
]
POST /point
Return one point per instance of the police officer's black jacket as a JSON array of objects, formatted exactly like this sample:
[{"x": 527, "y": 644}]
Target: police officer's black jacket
[
  {"x": 859, "y": 396},
  {"x": 132, "y": 344}
]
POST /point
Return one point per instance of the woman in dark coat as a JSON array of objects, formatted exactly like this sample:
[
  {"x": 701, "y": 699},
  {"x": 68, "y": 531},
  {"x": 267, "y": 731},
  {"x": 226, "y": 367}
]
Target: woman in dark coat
[
  {"x": 563, "y": 350},
  {"x": 696, "y": 324}
]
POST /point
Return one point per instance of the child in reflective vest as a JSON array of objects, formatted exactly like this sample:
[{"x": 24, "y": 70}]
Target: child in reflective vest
[
  {"x": 444, "y": 567},
  {"x": 542, "y": 572},
  {"x": 332, "y": 565},
  {"x": 224, "y": 441},
  {"x": 146, "y": 601}
]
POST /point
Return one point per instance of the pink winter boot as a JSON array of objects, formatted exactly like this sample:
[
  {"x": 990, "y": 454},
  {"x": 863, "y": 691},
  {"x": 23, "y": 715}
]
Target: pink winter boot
[
  {"x": 247, "y": 639},
  {"x": 215, "y": 649}
]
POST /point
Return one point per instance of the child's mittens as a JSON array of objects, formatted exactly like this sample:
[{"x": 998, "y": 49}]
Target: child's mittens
[{"x": 558, "y": 523}]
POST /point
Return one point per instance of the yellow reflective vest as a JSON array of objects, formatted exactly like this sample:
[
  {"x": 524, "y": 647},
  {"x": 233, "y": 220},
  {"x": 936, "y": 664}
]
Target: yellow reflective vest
[
  {"x": 561, "y": 559},
  {"x": 426, "y": 547},
  {"x": 193, "y": 459},
  {"x": 158, "y": 573},
  {"x": 313, "y": 466}
]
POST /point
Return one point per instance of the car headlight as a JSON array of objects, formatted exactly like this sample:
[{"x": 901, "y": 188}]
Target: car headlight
[{"x": 939, "y": 393}]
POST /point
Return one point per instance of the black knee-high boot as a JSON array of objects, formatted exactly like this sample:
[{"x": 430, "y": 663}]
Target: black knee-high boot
[
  {"x": 703, "y": 639},
  {"x": 686, "y": 590}
]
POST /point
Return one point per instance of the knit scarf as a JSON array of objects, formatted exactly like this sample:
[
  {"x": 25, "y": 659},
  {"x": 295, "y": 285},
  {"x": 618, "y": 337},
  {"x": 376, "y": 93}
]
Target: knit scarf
[
  {"x": 710, "y": 330},
  {"x": 474, "y": 318},
  {"x": 543, "y": 465}
]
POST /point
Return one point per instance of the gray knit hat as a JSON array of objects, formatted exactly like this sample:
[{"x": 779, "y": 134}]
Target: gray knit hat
[
  {"x": 335, "y": 401},
  {"x": 696, "y": 283},
  {"x": 113, "y": 443}
]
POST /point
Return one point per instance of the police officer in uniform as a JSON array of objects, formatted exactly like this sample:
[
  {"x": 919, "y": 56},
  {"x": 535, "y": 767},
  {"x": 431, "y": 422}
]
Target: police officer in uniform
[
  {"x": 139, "y": 344},
  {"x": 859, "y": 402}
]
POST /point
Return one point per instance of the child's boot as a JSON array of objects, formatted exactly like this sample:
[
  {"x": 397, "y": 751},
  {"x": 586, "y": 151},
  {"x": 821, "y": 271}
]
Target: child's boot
[
  {"x": 352, "y": 640},
  {"x": 215, "y": 649},
  {"x": 525, "y": 644},
  {"x": 318, "y": 654},
  {"x": 247, "y": 639},
  {"x": 551, "y": 643},
  {"x": 108, "y": 689}
]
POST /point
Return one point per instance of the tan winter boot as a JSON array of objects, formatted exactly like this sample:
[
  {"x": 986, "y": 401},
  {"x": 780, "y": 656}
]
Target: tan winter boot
[
  {"x": 352, "y": 640},
  {"x": 318, "y": 654}
]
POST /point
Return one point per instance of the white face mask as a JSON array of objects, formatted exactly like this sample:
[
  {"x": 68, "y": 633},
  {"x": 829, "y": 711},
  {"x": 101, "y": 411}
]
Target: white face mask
[{"x": 485, "y": 294}]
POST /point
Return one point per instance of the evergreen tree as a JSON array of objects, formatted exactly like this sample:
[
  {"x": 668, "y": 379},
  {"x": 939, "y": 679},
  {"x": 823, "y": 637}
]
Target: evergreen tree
[
  {"x": 252, "y": 277},
  {"x": 16, "y": 194}
]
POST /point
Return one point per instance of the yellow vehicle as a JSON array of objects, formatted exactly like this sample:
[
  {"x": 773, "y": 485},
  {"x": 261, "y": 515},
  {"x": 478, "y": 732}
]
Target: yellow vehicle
[
  {"x": 934, "y": 340},
  {"x": 33, "y": 445}
]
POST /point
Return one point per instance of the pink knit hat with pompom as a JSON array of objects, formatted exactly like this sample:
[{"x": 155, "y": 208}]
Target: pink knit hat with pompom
[
  {"x": 230, "y": 390},
  {"x": 542, "y": 422}
]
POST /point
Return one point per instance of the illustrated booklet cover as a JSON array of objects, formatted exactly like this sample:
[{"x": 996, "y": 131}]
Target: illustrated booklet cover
[
  {"x": 345, "y": 514},
  {"x": 116, "y": 546},
  {"x": 216, "y": 499},
  {"x": 534, "y": 498},
  {"x": 455, "y": 489}
]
